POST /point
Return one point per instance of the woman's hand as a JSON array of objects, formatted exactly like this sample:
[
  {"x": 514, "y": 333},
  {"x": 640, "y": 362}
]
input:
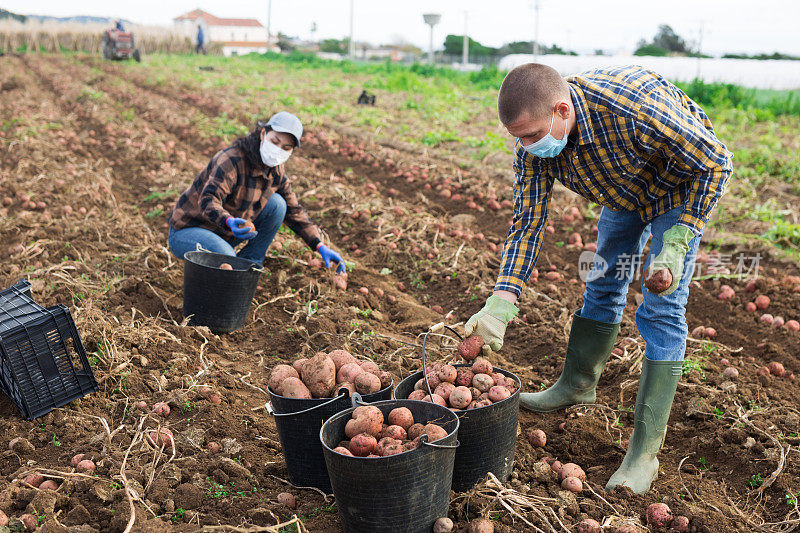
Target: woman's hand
[
  {"x": 329, "y": 255},
  {"x": 241, "y": 228}
]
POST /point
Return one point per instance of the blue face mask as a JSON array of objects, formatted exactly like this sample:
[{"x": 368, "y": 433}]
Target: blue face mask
[{"x": 548, "y": 146}]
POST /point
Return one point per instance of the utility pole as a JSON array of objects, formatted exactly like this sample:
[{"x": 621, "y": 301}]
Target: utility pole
[
  {"x": 351, "y": 49},
  {"x": 465, "y": 46},
  {"x": 269, "y": 21},
  {"x": 535, "y": 29}
]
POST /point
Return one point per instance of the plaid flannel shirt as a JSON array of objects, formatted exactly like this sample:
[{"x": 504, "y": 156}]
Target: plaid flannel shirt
[
  {"x": 641, "y": 145},
  {"x": 229, "y": 187}
]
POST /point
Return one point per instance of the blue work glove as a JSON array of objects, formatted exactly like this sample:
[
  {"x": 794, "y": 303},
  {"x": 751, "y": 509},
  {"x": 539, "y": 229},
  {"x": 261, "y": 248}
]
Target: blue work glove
[
  {"x": 329, "y": 255},
  {"x": 240, "y": 233}
]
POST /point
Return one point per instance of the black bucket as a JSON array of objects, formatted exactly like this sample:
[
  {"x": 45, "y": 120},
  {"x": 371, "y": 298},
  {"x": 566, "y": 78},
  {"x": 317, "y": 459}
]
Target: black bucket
[
  {"x": 298, "y": 421},
  {"x": 488, "y": 435},
  {"x": 219, "y": 299},
  {"x": 406, "y": 492}
]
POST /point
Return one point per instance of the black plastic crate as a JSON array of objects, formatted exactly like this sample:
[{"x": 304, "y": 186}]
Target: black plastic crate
[{"x": 43, "y": 364}]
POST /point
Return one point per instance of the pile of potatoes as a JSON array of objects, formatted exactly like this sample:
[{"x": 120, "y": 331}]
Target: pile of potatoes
[
  {"x": 325, "y": 374},
  {"x": 369, "y": 436},
  {"x": 461, "y": 388}
]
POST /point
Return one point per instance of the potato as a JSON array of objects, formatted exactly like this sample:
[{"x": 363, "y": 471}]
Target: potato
[
  {"x": 658, "y": 515},
  {"x": 395, "y": 432},
  {"x": 482, "y": 366},
  {"x": 247, "y": 224},
  {"x": 225, "y": 266},
  {"x": 298, "y": 365},
  {"x": 444, "y": 389},
  {"x": 556, "y": 467},
  {"x": 370, "y": 366},
  {"x": 480, "y": 525},
  {"x": 343, "y": 451},
  {"x": 680, "y": 524},
  {"x": 498, "y": 394},
  {"x": 415, "y": 431},
  {"x": 464, "y": 376},
  {"x": 435, "y": 399},
  {"x": 161, "y": 409},
  {"x": 731, "y": 373},
  {"x": 409, "y": 445},
  {"x": 48, "y": 485},
  {"x": 386, "y": 379},
  {"x": 294, "y": 388},
  {"x": 29, "y": 521},
  {"x": 470, "y": 348},
  {"x": 280, "y": 373},
  {"x": 348, "y": 372},
  {"x": 762, "y": 301},
  {"x": 367, "y": 383},
  {"x": 341, "y": 358},
  {"x": 417, "y": 395},
  {"x": 658, "y": 281},
  {"x": 476, "y": 394},
  {"x": 340, "y": 281},
  {"x": 537, "y": 438},
  {"x": 572, "y": 484},
  {"x": 460, "y": 398},
  {"x": 483, "y": 402},
  {"x": 369, "y": 412},
  {"x": 319, "y": 375},
  {"x": 447, "y": 374},
  {"x": 401, "y": 416},
  {"x": 572, "y": 470},
  {"x": 435, "y": 432},
  {"x": 34, "y": 479},
  {"x": 363, "y": 444},
  {"x": 77, "y": 458},
  {"x": 483, "y": 382},
  {"x": 393, "y": 449},
  {"x": 443, "y": 525},
  {"x": 588, "y": 525},
  {"x": 351, "y": 388},
  {"x": 433, "y": 380},
  {"x": 776, "y": 369},
  {"x": 87, "y": 466}
]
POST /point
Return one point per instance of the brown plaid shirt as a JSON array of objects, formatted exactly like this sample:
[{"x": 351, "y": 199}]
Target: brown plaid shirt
[{"x": 229, "y": 187}]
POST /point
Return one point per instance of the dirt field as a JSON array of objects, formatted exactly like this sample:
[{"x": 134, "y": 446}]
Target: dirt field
[{"x": 108, "y": 152}]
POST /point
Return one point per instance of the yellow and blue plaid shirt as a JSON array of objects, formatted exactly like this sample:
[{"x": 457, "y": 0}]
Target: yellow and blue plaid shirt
[{"x": 640, "y": 145}]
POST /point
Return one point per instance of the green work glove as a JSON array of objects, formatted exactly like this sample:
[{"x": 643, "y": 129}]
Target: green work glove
[
  {"x": 676, "y": 245},
  {"x": 490, "y": 323}
]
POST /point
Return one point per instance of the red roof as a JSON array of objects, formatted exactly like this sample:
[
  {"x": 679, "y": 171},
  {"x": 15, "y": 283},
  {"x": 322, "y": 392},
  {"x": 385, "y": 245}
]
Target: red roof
[{"x": 211, "y": 20}]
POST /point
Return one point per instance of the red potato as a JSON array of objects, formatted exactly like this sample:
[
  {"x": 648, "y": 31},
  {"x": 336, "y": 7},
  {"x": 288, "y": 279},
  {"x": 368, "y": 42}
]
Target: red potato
[
  {"x": 34, "y": 479},
  {"x": 778, "y": 322},
  {"x": 776, "y": 369},
  {"x": 481, "y": 525},
  {"x": 319, "y": 375},
  {"x": 572, "y": 484},
  {"x": 348, "y": 372},
  {"x": 447, "y": 374},
  {"x": 443, "y": 525},
  {"x": 3, "y": 519},
  {"x": 161, "y": 409},
  {"x": 435, "y": 399},
  {"x": 762, "y": 301},
  {"x": 350, "y": 387},
  {"x": 383, "y": 443},
  {"x": 709, "y": 333},
  {"x": 793, "y": 325},
  {"x": 556, "y": 467},
  {"x": 444, "y": 390},
  {"x": 363, "y": 444},
  {"x": 363, "y": 290},
  {"x": 343, "y": 451},
  {"x": 434, "y": 432},
  {"x": 279, "y": 374},
  {"x": 680, "y": 524},
  {"x": 482, "y": 382},
  {"x": 415, "y": 431},
  {"x": 470, "y": 347},
  {"x": 659, "y": 281},
  {"x": 572, "y": 470},
  {"x": 464, "y": 376},
  {"x": 499, "y": 379},
  {"x": 367, "y": 383},
  {"x": 588, "y": 525},
  {"x": 213, "y": 447},
  {"x": 401, "y": 416},
  {"x": 460, "y": 398},
  {"x": 340, "y": 281},
  {"x": 395, "y": 432},
  {"x": 48, "y": 485},
  {"x": 417, "y": 395},
  {"x": 627, "y": 528},
  {"x": 386, "y": 379},
  {"x": 247, "y": 224},
  {"x": 87, "y": 466},
  {"x": 294, "y": 388},
  {"x": 767, "y": 318},
  {"x": 726, "y": 293},
  {"x": 750, "y": 307},
  {"x": 751, "y": 286},
  {"x": 341, "y": 358},
  {"x": 482, "y": 366},
  {"x": 763, "y": 371},
  {"x": 77, "y": 458},
  {"x": 537, "y": 438},
  {"x": 498, "y": 394},
  {"x": 730, "y": 373},
  {"x": 287, "y": 499},
  {"x": 141, "y": 405},
  {"x": 298, "y": 365},
  {"x": 476, "y": 394},
  {"x": 370, "y": 366},
  {"x": 483, "y": 402},
  {"x": 29, "y": 521},
  {"x": 658, "y": 515},
  {"x": 225, "y": 266},
  {"x": 162, "y": 437}
]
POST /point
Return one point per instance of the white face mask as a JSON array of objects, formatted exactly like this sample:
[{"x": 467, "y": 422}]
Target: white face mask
[{"x": 272, "y": 155}]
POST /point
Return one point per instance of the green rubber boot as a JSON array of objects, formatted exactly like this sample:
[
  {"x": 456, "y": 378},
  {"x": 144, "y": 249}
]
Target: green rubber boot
[
  {"x": 590, "y": 345},
  {"x": 653, "y": 403}
]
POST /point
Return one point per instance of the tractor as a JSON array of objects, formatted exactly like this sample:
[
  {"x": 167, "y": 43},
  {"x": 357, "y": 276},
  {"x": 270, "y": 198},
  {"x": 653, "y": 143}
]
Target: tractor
[{"x": 119, "y": 45}]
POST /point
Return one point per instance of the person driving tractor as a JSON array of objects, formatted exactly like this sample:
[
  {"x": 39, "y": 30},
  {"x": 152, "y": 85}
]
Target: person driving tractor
[
  {"x": 243, "y": 196},
  {"x": 634, "y": 143}
]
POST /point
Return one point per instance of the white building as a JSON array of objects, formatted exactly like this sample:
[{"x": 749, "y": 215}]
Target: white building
[{"x": 237, "y": 36}]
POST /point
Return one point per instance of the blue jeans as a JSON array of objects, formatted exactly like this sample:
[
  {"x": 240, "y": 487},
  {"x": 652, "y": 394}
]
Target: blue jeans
[
  {"x": 661, "y": 320},
  {"x": 267, "y": 223}
]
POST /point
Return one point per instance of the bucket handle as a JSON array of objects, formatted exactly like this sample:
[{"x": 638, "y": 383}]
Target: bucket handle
[
  {"x": 424, "y": 342},
  {"x": 342, "y": 393},
  {"x": 423, "y": 439},
  {"x": 254, "y": 267}
]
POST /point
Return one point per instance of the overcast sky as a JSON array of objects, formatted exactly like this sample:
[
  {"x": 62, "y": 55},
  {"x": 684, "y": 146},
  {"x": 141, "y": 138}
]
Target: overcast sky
[{"x": 584, "y": 25}]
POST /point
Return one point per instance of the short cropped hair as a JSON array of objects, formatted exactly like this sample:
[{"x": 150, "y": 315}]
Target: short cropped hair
[{"x": 533, "y": 88}]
